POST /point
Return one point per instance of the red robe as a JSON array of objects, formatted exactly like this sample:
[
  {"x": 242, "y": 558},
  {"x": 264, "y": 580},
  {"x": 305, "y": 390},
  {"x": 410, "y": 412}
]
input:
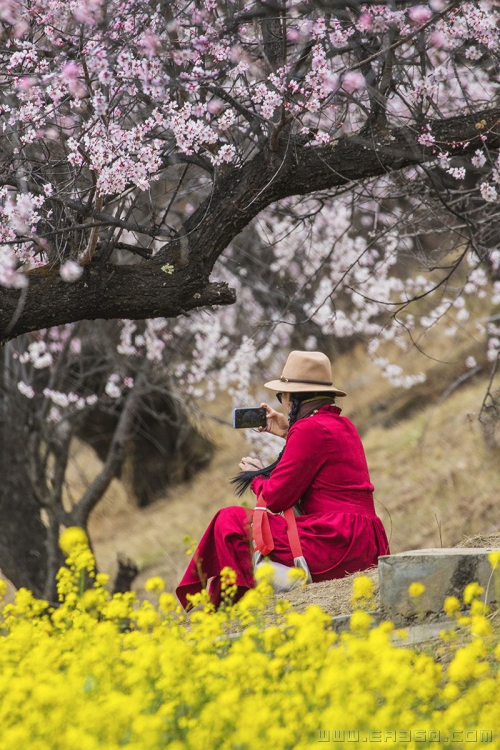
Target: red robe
[{"x": 324, "y": 464}]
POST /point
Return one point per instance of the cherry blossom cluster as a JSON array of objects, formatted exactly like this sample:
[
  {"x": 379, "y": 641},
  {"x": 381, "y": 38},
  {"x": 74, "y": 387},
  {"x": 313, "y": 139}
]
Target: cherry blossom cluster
[
  {"x": 361, "y": 285},
  {"x": 113, "y": 87},
  {"x": 51, "y": 354},
  {"x": 120, "y": 157}
]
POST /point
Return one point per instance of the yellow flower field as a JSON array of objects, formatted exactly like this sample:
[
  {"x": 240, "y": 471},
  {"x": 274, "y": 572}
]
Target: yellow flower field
[{"x": 111, "y": 672}]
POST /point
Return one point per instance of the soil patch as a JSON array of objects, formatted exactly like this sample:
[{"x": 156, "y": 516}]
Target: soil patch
[{"x": 334, "y": 597}]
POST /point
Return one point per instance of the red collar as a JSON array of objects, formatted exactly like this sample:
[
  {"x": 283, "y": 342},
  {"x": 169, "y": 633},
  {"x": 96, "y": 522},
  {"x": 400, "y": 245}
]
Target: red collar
[{"x": 332, "y": 407}]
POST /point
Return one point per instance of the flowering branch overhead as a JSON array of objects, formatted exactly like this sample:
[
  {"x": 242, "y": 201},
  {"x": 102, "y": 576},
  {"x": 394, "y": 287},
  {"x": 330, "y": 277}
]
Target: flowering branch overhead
[
  {"x": 239, "y": 195},
  {"x": 140, "y": 140}
]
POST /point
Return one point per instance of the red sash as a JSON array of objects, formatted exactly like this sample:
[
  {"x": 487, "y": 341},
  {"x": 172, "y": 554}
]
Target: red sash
[{"x": 261, "y": 529}]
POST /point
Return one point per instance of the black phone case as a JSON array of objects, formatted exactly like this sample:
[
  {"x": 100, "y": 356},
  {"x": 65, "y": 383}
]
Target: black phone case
[{"x": 251, "y": 416}]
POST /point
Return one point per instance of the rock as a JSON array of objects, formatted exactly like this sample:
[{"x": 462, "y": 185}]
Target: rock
[
  {"x": 414, "y": 635},
  {"x": 444, "y": 572}
]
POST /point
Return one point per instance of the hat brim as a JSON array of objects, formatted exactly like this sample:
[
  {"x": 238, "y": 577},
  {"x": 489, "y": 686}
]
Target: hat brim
[{"x": 280, "y": 387}]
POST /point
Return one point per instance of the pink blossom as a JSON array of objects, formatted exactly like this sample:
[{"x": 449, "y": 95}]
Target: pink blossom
[
  {"x": 365, "y": 22},
  {"x": 10, "y": 275},
  {"x": 226, "y": 153},
  {"x": 215, "y": 105},
  {"x": 331, "y": 81},
  {"x": 493, "y": 348},
  {"x": 150, "y": 43},
  {"x": 25, "y": 389},
  {"x": 71, "y": 70},
  {"x": 437, "y": 39},
  {"x": 488, "y": 192},
  {"x": 70, "y": 271},
  {"x": 142, "y": 91},
  {"x": 495, "y": 297},
  {"x": 105, "y": 77},
  {"x": 25, "y": 83},
  {"x": 426, "y": 139},
  {"x": 479, "y": 159},
  {"x": 54, "y": 415},
  {"x": 473, "y": 53},
  {"x": 457, "y": 172},
  {"x": 420, "y": 14},
  {"x": 353, "y": 81},
  {"x": 444, "y": 160},
  {"x": 112, "y": 390}
]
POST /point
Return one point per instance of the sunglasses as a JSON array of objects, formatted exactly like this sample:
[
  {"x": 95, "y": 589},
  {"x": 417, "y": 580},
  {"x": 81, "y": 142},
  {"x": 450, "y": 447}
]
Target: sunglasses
[{"x": 279, "y": 396}]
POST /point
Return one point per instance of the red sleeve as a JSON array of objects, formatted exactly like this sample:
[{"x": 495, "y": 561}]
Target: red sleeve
[{"x": 304, "y": 455}]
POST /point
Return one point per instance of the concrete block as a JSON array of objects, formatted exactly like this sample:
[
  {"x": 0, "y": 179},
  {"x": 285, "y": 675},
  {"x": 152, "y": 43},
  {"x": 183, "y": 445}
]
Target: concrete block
[
  {"x": 415, "y": 635},
  {"x": 444, "y": 572}
]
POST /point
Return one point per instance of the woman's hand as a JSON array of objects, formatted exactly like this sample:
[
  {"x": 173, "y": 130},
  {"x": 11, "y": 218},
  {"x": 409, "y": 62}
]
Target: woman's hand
[
  {"x": 248, "y": 463},
  {"x": 277, "y": 423}
]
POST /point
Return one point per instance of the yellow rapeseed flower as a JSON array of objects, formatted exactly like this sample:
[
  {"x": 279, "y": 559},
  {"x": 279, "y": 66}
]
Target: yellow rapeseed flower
[
  {"x": 416, "y": 589},
  {"x": 463, "y": 666},
  {"x": 297, "y": 574},
  {"x": 451, "y": 692},
  {"x": 494, "y": 559},
  {"x": 363, "y": 588},
  {"x": 72, "y": 537},
  {"x": 451, "y": 605},
  {"x": 480, "y": 625},
  {"x": 471, "y": 591},
  {"x": 478, "y": 607},
  {"x": 282, "y": 606},
  {"x": 167, "y": 604},
  {"x": 264, "y": 573},
  {"x": 190, "y": 543},
  {"x": 360, "y": 621},
  {"x": 155, "y": 584},
  {"x": 104, "y": 670}
]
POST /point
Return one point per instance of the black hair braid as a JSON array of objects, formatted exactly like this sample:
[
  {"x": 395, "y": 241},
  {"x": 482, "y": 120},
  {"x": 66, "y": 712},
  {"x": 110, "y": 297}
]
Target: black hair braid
[
  {"x": 294, "y": 409},
  {"x": 243, "y": 480}
]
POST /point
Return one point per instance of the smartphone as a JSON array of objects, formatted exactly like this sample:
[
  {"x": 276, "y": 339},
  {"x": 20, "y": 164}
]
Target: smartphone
[{"x": 249, "y": 416}]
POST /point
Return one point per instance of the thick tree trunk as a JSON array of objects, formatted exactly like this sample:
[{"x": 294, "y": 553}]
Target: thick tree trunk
[{"x": 23, "y": 536}]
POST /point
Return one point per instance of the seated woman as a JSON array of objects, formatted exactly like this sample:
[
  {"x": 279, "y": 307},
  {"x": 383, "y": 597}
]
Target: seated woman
[{"x": 322, "y": 471}]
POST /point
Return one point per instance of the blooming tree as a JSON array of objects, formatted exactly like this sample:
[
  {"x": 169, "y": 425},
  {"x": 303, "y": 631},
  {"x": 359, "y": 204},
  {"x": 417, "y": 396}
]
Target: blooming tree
[{"x": 139, "y": 139}]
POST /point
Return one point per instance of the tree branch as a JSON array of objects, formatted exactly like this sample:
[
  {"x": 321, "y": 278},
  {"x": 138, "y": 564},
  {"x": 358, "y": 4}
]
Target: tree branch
[
  {"x": 116, "y": 453},
  {"x": 132, "y": 291}
]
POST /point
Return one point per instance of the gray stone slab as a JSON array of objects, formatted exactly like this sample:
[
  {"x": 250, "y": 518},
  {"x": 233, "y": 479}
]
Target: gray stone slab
[
  {"x": 422, "y": 632},
  {"x": 443, "y": 571}
]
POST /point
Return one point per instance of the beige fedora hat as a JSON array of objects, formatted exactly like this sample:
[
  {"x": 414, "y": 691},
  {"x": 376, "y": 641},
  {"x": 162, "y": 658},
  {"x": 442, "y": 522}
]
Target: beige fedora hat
[{"x": 305, "y": 372}]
